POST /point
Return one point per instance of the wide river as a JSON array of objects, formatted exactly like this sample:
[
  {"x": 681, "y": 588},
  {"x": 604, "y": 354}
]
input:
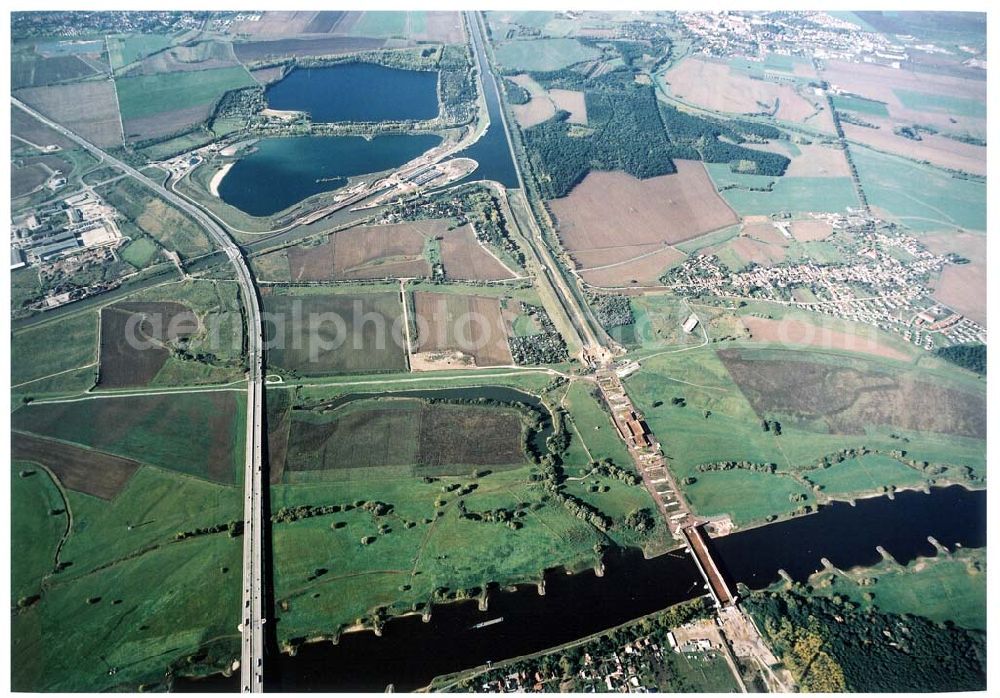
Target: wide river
[{"x": 410, "y": 652}]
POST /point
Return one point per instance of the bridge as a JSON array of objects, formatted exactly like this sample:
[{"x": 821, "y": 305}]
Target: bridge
[{"x": 717, "y": 584}]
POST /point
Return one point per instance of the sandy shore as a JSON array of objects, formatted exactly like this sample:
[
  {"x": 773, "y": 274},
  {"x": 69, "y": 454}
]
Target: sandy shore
[{"x": 217, "y": 180}]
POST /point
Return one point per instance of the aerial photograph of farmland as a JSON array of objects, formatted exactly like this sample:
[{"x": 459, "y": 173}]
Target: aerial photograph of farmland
[{"x": 591, "y": 351}]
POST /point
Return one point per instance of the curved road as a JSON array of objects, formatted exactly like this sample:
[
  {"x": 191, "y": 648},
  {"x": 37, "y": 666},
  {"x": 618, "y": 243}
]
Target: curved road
[{"x": 252, "y": 619}]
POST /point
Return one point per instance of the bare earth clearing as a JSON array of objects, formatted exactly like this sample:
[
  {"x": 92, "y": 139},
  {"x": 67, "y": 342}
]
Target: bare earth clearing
[
  {"x": 716, "y": 86},
  {"x": 88, "y": 108},
  {"x": 80, "y": 469},
  {"x": 448, "y": 322},
  {"x": 464, "y": 258},
  {"x": 612, "y": 211},
  {"x": 810, "y": 230}
]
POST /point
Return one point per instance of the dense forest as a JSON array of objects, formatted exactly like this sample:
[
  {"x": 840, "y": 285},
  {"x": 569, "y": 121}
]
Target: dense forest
[
  {"x": 970, "y": 356},
  {"x": 835, "y": 645},
  {"x": 628, "y": 129}
]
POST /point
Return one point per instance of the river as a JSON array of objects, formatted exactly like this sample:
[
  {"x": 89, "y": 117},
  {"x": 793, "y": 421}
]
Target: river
[{"x": 410, "y": 652}]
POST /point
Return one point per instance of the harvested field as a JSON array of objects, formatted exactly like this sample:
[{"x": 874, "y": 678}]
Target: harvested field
[
  {"x": 464, "y": 258},
  {"x": 810, "y": 230},
  {"x": 274, "y": 23},
  {"x": 365, "y": 252},
  {"x": 536, "y": 111},
  {"x": 842, "y": 399},
  {"x": 938, "y": 150},
  {"x": 79, "y": 469},
  {"x": 446, "y": 27},
  {"x": 750, "y": 250},
  {"x": 544, "y": 104},
  {"x": 766, "y": 233},
  {"x": 572, "y": 101},
  {"x": 302, "y": 47},
  {"x": 134, "y": 338},
  {"x": 807, "y": 334},
  {"x": 611, "y": 210},
  {"x": 205, "y": 55},
  {"x": 818, "y": 161},
  {"x": 28, "y": 69},
  {"x": 27, "y": 178},
  {"x": 413, "y": 434},
  {"x": 25, "y": 126},
  {"x": 962, "y": 287},
  {"x": 200, "y": 433},
  {"x": 88, "y": 108},
  {"x": 714, "y": 85},
  {"x": 448, "y": 322},
  {"x": 644, "y": 269},
  {"x": 336, "y": 333}
]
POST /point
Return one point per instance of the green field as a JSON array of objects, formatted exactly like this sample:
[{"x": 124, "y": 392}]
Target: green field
[
  {"x": 128, "y": 48},
  {"x": 143, "y": 96},
  {"x": 921, "y": 197},
  {"x": 386, "y": 24},
  {"x": 53, "y": 347},
  {"x": 733, "y": 432},
  {"x": 199, "y": 433},
  {"x": 139, "y": 253},
  {"x": 594, "y": 437},
  {"x": 860, "y": 105},
  {"x": 942, "y": 588},
  {"x": 865, "y": 473},
  {"x": 404, "y": 566},
  {"x": 543, "y": 54},
  {"x": 791, "y": 194},
  {"x": 35, "y": 530},
  {"x": 96, "y": 625},
  {"x": 956, "y": 106}
]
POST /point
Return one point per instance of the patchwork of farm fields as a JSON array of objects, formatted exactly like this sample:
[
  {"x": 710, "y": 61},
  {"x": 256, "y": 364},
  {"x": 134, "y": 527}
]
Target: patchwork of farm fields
[
  {"x": 162, "y": 104},
  {"x": 921, "y": 197},
  {"x": 199, "y": 434},
  {"x": 721, "y": 421}
]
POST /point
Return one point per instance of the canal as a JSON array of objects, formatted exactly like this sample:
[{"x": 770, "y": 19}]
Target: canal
[{"x": 492, "y": 150}]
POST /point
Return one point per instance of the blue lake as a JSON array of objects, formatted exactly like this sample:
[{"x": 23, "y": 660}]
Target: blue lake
[
  {"x": 357, "y": 92},
  {"x": 281, "y": 172}
]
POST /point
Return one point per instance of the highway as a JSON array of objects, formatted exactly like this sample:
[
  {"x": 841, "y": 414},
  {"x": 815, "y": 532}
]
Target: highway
[{"x": 252, "y": 619}]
